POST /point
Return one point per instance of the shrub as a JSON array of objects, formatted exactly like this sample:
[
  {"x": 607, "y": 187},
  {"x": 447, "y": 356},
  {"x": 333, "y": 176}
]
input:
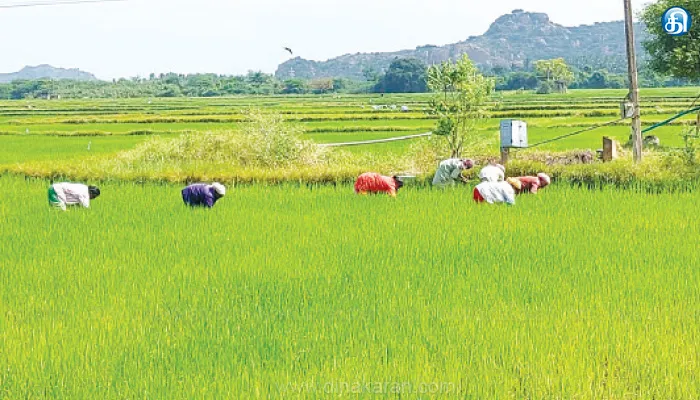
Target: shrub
[
  {"x": 265, "y": 141},
  {"x": 691, "y": 141},
  {"x": 545, "y": 88}
]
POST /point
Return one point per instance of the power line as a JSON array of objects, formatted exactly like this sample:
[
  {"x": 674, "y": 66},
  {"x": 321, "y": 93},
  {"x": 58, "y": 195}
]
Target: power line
[
  {"x": 393, "y": 139},
  {"x": 55, "y": 3},
  {"x": 649, "y": 129},
  {"x": 668, "y": 121},
  {"x": 576, "y": 133}
]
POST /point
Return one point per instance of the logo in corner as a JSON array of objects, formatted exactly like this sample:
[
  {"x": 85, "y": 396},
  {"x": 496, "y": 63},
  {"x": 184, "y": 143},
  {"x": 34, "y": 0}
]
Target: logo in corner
[{"x": 677, "y": 21}]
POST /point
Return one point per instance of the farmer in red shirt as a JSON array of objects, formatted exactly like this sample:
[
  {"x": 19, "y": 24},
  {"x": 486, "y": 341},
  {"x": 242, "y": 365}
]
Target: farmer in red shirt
[
  {"x": 371, "y": 182},
  {"x": 533, "y": 183}
]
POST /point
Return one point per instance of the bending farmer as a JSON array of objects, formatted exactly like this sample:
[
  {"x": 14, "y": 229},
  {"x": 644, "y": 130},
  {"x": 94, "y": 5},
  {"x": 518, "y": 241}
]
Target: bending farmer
[
  {"x": 450, "y": 171},
  {"x": 533, "y": 183},
  {"x": 496, "y": 192},
  {"x": 203, "y": 195},
  {"x": 371, "y": 182},
  {"x": 493, "y": 173},
  {"x": 69, "y": 194}
]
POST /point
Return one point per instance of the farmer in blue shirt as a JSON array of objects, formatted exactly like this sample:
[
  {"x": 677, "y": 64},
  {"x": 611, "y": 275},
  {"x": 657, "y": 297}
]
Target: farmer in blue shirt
[{"x": 203, "y": 195}]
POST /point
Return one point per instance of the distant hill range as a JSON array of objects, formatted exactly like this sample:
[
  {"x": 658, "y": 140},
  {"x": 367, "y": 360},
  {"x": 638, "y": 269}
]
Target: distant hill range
[
  {"x": 47, "y": 72},
  {"x": 515, "y": 39}
]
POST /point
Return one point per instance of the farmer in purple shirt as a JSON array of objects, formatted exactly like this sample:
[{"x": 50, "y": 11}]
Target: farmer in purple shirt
[{"x": 203, "y": 195}]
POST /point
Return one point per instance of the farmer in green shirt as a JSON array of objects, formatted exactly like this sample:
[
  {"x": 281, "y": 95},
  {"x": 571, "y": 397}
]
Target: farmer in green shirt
[{"x": 450, "y": 171}]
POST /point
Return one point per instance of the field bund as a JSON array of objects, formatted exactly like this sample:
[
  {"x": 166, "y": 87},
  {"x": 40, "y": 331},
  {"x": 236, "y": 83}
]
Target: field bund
[{"x": 296, "y": 292}]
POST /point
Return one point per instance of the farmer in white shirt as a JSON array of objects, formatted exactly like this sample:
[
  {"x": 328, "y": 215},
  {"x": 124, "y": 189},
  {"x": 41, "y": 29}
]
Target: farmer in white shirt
[
  {"x": 497, "y": 192},
  {"x": 450, "y": 171},
  {"x": 68, "y": 194},
  {"x": 493, "y": 173}
]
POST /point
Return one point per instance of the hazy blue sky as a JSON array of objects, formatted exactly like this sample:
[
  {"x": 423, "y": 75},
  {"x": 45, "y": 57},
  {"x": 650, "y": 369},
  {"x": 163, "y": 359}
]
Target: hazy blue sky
[{"x": 137, "y": 37}]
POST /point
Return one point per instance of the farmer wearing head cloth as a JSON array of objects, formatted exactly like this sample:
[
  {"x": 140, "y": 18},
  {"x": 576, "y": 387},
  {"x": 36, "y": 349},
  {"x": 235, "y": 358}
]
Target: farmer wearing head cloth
[
  {"x": 71, "y": 194},
  {"x": 203, "y": 195},
  {"x": 371, "y": 182},
  {"x": 533, "y": 183},
  {"x": 450, "y": 172},
  {"x": 493, "y": 173}
]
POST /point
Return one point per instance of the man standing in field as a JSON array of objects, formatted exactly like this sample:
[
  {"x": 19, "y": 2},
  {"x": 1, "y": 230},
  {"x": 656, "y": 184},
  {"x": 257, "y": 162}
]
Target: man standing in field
[
  {"x": 450, "y": 171},
  {"x": 493, "y": 173},
  {"x": 533, "y": 183},
  {"x": 497, "y": 192},
  {"x": 202, "y": 194},
  {"x": 65, "y": 194},
  {"x": 371, "y": 182}
]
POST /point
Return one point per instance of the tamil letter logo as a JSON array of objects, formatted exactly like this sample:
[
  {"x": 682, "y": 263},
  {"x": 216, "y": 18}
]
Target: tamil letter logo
[{"x": 677, "y": 21}]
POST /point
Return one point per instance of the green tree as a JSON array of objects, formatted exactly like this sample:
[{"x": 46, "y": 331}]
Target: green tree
[
  {"x": 235, "y": 85},
  {"x": 339, "y": 84},
  {"x": 370, "y": 74},
  {"x": 556, "y": 72},
  {"x": 545, "y": 87},
  {"x": 405, "y": 75},
  {"x": 260, "y": 82},
  {"x": 5, "y": 91},
  {"x": 461, "y": 93},
  {"x": 28, "y": 89},
  {"x": 294, "y": 86},
  {"x": 678, "y": 56},
  {"x": 518, "y": 80},
  {"x": 321, "y": 85},
  {"x": 170, "y": 91},
  {"x": 171, "y": 79},
  {"x": 598, "y": 80},
  {"x": 202, "y": 85}
]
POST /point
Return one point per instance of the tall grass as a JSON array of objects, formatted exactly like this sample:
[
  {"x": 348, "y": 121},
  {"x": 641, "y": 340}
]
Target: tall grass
[
  {"x": 266, "y": 141},
  {"x": 296, "y": 292}
]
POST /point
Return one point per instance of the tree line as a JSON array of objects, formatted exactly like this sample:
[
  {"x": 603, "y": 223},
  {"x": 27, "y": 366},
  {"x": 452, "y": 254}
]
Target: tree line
[
  {"x": 177, "y": 85},
  {"x": 402, "y": 76}
]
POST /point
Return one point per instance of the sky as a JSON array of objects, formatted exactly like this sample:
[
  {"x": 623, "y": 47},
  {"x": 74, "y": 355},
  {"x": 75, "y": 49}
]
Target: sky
[{"x": 137, "y": 37}]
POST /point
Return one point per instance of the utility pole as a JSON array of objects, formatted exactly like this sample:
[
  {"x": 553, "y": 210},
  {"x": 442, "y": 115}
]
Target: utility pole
[{"x": 634, "y": 83}]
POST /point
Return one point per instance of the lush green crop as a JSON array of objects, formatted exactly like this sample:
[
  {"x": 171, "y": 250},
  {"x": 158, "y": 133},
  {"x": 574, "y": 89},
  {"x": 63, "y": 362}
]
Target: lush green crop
[
  {"x": 17, "y": 149},
  {"x": 315, "y": 292}
]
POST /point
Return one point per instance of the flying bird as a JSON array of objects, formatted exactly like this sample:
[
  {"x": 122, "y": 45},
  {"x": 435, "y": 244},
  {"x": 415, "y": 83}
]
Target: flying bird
[{"x": 289, "y": 50}]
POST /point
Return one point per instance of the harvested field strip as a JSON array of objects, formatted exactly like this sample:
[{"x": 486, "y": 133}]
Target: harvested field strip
[
  {"x": 399, "y": 125},
  {"x": 88, "y": 133},
  {"x": 232, "y": 118}
]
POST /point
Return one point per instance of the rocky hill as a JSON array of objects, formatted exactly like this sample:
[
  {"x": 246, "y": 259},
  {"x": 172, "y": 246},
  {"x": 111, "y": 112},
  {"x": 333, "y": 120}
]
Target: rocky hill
[
  {"x": 47, "y": 72},
  {"x": 517, "y": 39}
]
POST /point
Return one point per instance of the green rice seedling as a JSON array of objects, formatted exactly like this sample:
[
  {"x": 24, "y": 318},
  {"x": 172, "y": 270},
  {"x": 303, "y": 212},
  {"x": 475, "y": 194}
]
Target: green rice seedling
[{"x": 304, "y": 291}]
